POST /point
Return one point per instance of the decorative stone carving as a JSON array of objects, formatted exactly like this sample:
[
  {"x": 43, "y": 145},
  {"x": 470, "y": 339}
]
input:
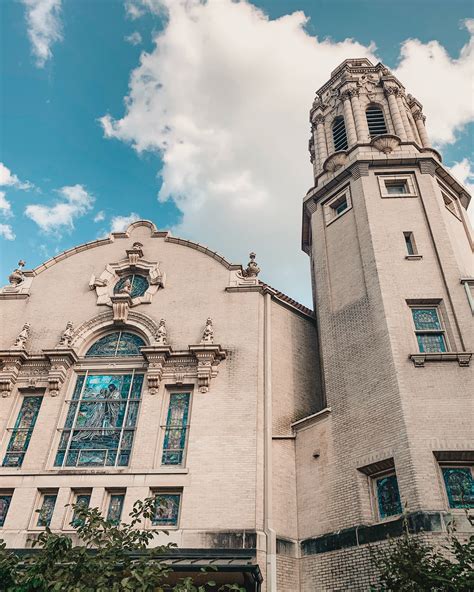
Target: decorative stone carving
[
  {"x": 134, "y": 254},
  {"x": 66, "y": 337},
  {"x": 319, "y": 119},
  {"x": 17, "y": 276},
  {"x": 312, "y": 154},
  {"x": 162, "y": 333},
  {"x": 23, "y": 336},
  {"x": 61, "y": 360},
  {"x": 156, "y": 357},
  {"x": 208, "y": 333},
  {"x": 386, "y": 143},
  {"x": 252, "y": 267},
  {"x": 120, "y": 306},
  {"x": 12, "y": 362},
  {"x": 208, "y": 357},
  {"x": 335, "y": 162}
]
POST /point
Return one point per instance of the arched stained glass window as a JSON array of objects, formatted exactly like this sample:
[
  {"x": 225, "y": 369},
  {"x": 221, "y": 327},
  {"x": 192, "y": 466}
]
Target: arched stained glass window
[
  {"x": 138, "y": 285},
  {"x": 116, "y": 344},
  {"x": 339, "y": 134},
  {"x": 375, "y": 121}
]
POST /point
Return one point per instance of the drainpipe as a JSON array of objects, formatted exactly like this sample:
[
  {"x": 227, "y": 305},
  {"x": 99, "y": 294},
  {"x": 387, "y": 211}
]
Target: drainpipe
[{"x": 268, "y": 491}]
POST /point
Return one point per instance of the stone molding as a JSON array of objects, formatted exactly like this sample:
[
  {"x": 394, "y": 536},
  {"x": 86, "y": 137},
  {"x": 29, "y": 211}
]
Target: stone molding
[
  {"x": 61, "y": 361},
  {"x": 12, "y": 361},
  {"x": 419, "y": 359}
]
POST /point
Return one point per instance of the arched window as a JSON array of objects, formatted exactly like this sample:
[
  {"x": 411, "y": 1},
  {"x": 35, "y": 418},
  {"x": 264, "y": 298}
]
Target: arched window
[
  {"x": 119, "y": 343},
  {"x": 375, "y": 121},
  {"x": 339, "y": 134},
  {"x": 138, "y": 285}
]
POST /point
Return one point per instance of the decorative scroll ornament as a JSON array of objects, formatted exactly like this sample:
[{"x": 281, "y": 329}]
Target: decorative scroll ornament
[
  {"x": 252, "y": 268},
  {"x": 66, "y": 337},
  {"x": 20, "y": 341},
  {"x": 17, "y": 276},
  {"x": 156, "y": 357}
]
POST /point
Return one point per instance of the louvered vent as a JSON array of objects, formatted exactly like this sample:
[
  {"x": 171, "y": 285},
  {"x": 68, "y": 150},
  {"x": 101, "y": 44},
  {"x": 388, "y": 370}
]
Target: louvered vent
[
  {"x": 375, "y": 121},
  {"x": 339, "y": 134}
]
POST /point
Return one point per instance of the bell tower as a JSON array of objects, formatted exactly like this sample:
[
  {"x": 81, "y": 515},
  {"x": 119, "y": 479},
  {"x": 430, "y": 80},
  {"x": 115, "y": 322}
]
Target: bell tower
[{"x": 391, "y": 249}]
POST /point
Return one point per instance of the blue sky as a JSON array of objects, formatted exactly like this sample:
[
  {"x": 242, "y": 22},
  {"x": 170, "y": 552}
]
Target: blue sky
[{"x": 212, "y": 141}]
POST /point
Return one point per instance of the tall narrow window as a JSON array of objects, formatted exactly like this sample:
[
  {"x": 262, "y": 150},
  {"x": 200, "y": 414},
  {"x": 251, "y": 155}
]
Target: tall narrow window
[
  {"x": 166, "y": 509},
  {"x": 428, "y": 329},
  {"x": 21, "y": 433},
  {"x": 375, "y": 121},
  {"x": 47, "y": 508},
  {"x": 339, "y": 134},
  {"x": 83, "y": 499},
  {"x": 410, "y": 243},
  {"x": 101, "y": 419},
  {"x": 388, "y": 496},
  {"x": 114, "y": 513},
  {"x": 459, "y": 483},
  {"x": 5, "y": 501},
  {"x": 176, "y": 429}
]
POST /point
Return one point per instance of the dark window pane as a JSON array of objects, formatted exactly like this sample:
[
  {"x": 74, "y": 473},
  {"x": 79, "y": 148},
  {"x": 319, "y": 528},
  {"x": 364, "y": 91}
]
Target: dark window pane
[
  {"x": 459, "y": 487},
  {"x": 426, "y": 319},
  {"x": 166, "y": 509},
  {"x": 114, "y": 513},
  {"x": 21, "y": 433},
  {"x": 47, "y": 509},
  {"x": 388, "y": 497},
  {"x": 5, "y": 501}
]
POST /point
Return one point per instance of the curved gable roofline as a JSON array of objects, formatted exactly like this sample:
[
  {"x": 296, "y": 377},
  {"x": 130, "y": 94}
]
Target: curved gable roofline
[{"x": 154, "y": 233}]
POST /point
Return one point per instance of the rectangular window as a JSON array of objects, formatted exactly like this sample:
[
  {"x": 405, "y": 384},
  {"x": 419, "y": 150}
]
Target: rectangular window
[
  {"x": 81, "y": 498},
  {"x": 166, "y": 509},
  {"x": 114, "y": 513},
  {"x": 176, "y": 428},
  {"x": 410, "y": 243},
  {"x": 450, "y": 204},
  {"x": 46, "y": 510},
  {"x": 101, "y": 420},
  {"x": 399, "y": 185},
  {"x": 387, "y": 495},
  {"x": 396, "y": 187},
  {"x": 337, "y": 205},
  {"x": 5, "y": 501},
  {"x": 459, "y": 483},
  {"x": 428, "y": 329},
  {"x": 21, "y": 433}
]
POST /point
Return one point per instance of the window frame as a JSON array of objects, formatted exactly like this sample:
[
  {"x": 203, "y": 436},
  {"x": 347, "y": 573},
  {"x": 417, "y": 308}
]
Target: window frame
[
  {"x": 329, "y": 207},
  {"x": 163, "y": 425},
  {"x": 7, "y": 492},
  {"x": 407, "y": 178},
  {"x": 442, "y": 331},
  {"x": 13, "y": 420},
  {"x": 373, "y": 107},
  {"x": 110, "y": 492},
  {"x": 39, "y": 500},
  {"x": 75, "y": 493},
  {"x": 374, "y": 494},
  {"x": 343, "y": 135},
  {"x": 453, "y": 465},
  {"x": 155, "y": 492}
]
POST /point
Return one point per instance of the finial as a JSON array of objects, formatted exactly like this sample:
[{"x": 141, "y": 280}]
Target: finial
[
  {"x": 66, "y": 337},
  {"x": 17, "y": 275},
  {"x": 252, "y": 268},
  {"x": 22, "y": 338},
  {"x": 208, "y": 333},
  {"x": 162, "y": 333}
]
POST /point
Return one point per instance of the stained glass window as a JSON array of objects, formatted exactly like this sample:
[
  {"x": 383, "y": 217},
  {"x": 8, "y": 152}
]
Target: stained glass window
[
  {"x": 388, "y": 496},
  {"x": 100, "y": 422},
  {"x": 428, "y": 329},
  {"x": 166, "y": 509},
  {"x": 114, "y": 513},
  {"x": 176, "y": 429},
  {"x": 138, "y": 284},
  {"x": 21, "y": 433},
  {"x": 5, "y": 500},
  {"x": 116, "y": 344},
  {"x": 459, "y": 487},
  {"x": 47, "y": 509},
  {"x": 82, "y": 499}
]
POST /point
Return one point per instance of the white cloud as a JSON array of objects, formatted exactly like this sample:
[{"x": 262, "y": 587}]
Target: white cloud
[
  {"x": 99, "y": 216},
  {"x": 9, "y": 179},
  {"x": 121, "y": 223},
  {"x": 5, "y": 206},
  {"x": 464, "y": 172},
  {"x": 44, "y": 27},
  {"x": 134, "y": 38},
  {"x": 224, "y": 97},
  {"x": 6, "y": 232},
  {"x": 137, "y": 8},
  {"x": 76, "y": 202}
]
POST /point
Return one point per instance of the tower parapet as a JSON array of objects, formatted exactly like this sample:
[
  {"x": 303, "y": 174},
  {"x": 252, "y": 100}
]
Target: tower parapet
[{"x": 363, "y": 105}]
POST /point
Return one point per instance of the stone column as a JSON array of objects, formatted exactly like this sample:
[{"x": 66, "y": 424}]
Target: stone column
[
  {"x": 391, "y": 92},
  {"x": 362, "y": 128},
  {"x": 404, "y": 116},
  {"x": 420, "y": 126},
  {"x": 321, "y": 145},
  {"x": 349, "y": 119}
]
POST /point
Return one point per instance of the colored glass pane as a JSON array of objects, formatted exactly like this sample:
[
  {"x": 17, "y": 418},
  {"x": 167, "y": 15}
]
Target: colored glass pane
[
  {"x": 5, "y": 501},
  {"x": 82, "y": 499},
  {"x": 176, "y": 429},
  {"x": 47, "y": 509},
  {"x": 94, "y": 428},
  {"x": 388, "y": 496},
  {"x": 114, "y": 513},
  {"x": 431, "y": 342},
  {"x": 426, "y": 319},
  {"x": 138, "y": 285},
  {"x": 166, "y": 509},
  {"x": 21, "y": 433},
  {"x": 459, "y": 487},
  {"x": 116, "y": 344}
]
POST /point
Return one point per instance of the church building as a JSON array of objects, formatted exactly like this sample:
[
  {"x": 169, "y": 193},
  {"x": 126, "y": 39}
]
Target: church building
[{"x": 279, "y": 442}]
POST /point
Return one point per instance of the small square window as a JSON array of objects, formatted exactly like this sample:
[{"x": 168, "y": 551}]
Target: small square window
[
  {"x": 336, "y": 206},
  {"x": 167, "y": 506},
  {"x": 5, "y": 501},
  {"x": 429, "y": 331},
  {"x": 401, "y": 185},
  {"x": 46, "y": 509},
  {"x": 387, "y": 495},
  {"x": 396, "y": 187},
  {"x": 459, "y": 483}
]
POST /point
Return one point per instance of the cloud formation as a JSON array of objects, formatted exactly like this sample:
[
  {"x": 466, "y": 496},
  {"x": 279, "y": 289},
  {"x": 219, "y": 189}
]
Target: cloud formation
[
  {"x": 76, "y": 202},
  {"x": 121, "y": 223},
  {"x": 134, "y": 38},
  {"x": 224, "y": 98},
  {"x": 5, "y": 206},
  {"x": 7, "y": 178},
  {"x": 44, "y": 27},
  {"x": 6, "y": 232}
]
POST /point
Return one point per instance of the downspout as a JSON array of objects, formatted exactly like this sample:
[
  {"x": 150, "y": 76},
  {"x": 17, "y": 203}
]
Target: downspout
[{"x": 268, "y": 485}]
